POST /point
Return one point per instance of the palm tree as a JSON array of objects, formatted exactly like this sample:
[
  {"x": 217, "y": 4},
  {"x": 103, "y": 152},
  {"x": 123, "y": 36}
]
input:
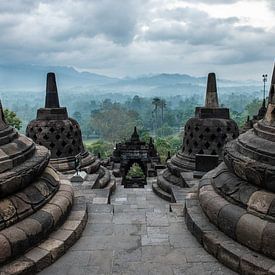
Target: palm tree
[
  {"x": 156, "y": 103},
  {"x": 162, "y": 105}
]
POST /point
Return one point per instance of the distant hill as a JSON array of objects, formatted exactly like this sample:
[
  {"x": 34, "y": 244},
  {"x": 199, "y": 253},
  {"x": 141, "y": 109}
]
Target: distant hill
[{"x": 33, "y": 78}]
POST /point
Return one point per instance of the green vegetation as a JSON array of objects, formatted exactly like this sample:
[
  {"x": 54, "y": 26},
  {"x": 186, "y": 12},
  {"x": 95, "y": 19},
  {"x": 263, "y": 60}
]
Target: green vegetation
[
  {"x": 101, "y": 147},
  {"x": 12, "y": 119},
  {"x": 135, "y": 171},
  {"x": 106, "y": 120}
]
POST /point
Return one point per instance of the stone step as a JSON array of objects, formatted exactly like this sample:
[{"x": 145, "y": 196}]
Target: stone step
[
  {"x": 179, "y": 194},
  {"x": 161, "y": 193},
  {"x": 230, "y": 253},
  {"x": 57, "y": 243}
]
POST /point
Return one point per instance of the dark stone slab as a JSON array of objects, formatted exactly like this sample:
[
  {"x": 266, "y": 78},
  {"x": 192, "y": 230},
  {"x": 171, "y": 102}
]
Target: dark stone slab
[{"x": 228, "y": 218}]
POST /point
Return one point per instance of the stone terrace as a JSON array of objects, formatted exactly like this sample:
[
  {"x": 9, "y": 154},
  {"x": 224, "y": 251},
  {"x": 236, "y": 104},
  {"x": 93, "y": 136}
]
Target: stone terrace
[{"x": 135, "y": 234}]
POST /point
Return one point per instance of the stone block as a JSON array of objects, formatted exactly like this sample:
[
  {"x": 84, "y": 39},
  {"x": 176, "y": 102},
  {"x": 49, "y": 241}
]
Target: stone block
[
  {"x": 229, "y": 255},
  {"x": 260, "y": 201},
  {"x": 55, "y": 247},
  {"x": 255, "y": 264},
  {"x": 55, "y": 211},
  {"x": 249, "y": 231},
  {"x": 228, "y": 218},
  {"x": 41, "y": 258},
  {"x": 18, "y": 240},
  {"x": 268, "y": 240},
  {"x": 32, "y": 228},
  {"x": 21, "y": 266},
  {"x": 213, "y": 207},
  {"x": 5, "y": 251},
  {"x": 68, "y": 237}
]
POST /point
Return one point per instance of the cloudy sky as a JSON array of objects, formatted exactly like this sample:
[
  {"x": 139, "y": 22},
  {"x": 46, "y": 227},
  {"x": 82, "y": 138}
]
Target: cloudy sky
[{"x": 236, "y": 39}]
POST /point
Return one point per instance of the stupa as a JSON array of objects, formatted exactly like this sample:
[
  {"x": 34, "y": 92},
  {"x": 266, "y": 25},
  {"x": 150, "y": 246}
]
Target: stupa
[
  {"x": 250, "y": 122},
  {"x": 55, "y": 130},
  {"x": 204, "y": 138},
  {"x": 34, "y": 202},
  {"x": 238, "y": 198}
]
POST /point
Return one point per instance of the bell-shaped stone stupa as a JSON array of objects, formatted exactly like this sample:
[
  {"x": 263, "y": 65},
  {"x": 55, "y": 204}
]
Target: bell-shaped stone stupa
[
  {"x": 238, "y": 198},
  {"x": 54, "y": 129},
  {"x": 204, "y": 138}
]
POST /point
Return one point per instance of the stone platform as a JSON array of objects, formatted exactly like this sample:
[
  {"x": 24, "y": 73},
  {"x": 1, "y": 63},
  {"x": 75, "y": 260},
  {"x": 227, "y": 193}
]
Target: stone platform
[
  {"x": 136, "y": 234},
  {"x": 229, "y": 252}
]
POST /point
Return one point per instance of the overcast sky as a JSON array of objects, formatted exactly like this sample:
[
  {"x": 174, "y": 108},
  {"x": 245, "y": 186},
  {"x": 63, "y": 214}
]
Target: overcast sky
[{"x": 236, "y": 39}]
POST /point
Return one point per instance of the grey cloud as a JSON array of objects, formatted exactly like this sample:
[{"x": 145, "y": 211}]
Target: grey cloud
[{"x": 126, "y": 37}]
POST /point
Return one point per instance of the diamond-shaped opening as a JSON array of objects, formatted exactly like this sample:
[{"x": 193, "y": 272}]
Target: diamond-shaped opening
[
  {"x": 228, "y": 129},
  {"x": 201, "y": 136},
  {"x": 73, "y": 142},
  {"x": 52, "y": 130},
  {"x": 46, "y": 137},
  {"x": 213, "y": 152},
  {"x": 76, "y": 134},
  {"x": 57, "y": 137},
  {"x": 219, "y": 129},
  {"x": 58, "y": 153},
  {"x": 31, "y": 129},
  {"x": 224, "y": 136},
  {"x": 207, "y": 130},
  {"x": 187, "y": 141},
  {"x": 68, "y": 135},
  {"x": 201, "y": 152},
  {"x": 183, "y": 148},
  {"x": 207, "y": 144},
  {"x": 197, "y": 128},
  {"x": 62, "y": 129},
  {"x": 64, "y": 143},
  {"x": 233, "y": 136},
  {"x": 34, "y": 137},
  {"x": 195, "y": 144},
  {"x": 71, "y": 127},
  {"x": 191, "y": 135},
  {"x": 219, "y": 145},
  {"x": 188, "y": 127},
  {"x": 213, "y": 137},
  {"x": 52, "y": 144},
  {"x": 40, "y": 129},
  {"x": 190, "y": 151},
  {"x": 70, "y": 150}
]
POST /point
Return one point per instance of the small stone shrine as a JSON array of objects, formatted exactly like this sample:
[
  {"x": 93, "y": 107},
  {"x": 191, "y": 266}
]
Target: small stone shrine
[
  {"x": 62, "y": 136},
  {"x": 238, "y": 198},
  {"x": 135, "y": 151},
  {"x": 34, "y": 201},
  {"x": 204, "y": 138},
  {"x": 250, "y": 122}
]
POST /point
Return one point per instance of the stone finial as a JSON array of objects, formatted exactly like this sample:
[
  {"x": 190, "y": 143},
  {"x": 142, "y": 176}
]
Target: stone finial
[
  {"x": 271, "y": 97},
  {"x": 52, "y": 100},
  {"x": 270, "y": 113},
  {"x": 2, "y": 116},
  {"x": 211, "y": 99},
  {"x": 135, "y": 136}
]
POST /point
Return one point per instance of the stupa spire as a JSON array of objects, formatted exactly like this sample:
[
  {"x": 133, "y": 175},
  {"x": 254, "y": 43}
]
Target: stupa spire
[
  {"x": 52, "y": 100},
  {"x": 135, "y": 136},
  {"x": 211, "y": 98},
  {"x": 270, "y": 113},
  {"x": 3, "y": 122}
]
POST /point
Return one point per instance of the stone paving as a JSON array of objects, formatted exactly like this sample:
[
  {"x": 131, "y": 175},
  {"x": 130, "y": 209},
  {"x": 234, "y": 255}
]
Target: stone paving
[{"x": 136, "y": 234}]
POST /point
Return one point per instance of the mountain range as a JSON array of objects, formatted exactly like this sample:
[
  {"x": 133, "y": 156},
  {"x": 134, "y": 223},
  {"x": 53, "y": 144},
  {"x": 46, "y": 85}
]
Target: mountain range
[{"x": 33, "y": 78}]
